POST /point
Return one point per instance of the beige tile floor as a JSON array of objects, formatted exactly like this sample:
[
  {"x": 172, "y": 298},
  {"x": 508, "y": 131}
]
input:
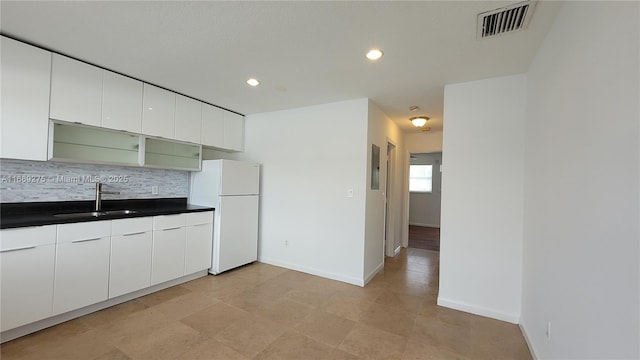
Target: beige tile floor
[{"x": 266, "y": 312}]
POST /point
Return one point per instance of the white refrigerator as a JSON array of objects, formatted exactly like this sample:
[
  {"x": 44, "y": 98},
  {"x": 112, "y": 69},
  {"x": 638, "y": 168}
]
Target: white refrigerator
[{"x": 233, "y": 189}]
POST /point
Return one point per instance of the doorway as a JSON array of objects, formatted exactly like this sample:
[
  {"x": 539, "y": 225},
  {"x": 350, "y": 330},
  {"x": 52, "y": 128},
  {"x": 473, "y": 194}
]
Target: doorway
[
  {"x": 425, "y": 180},
  {"x": 389, "y": 223}
]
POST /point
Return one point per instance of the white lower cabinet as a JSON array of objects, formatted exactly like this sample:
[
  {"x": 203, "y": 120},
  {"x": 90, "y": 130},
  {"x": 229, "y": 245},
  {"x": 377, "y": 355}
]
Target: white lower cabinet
[
  {"x": 131, "y": 247},
  {"x": 53, "y": 269},
  {"x": 26, "y": 275},
  {"x": 199, "y": 242},
  {"x": 82, "y": 265},
  {"x": 169, "y": 237}
]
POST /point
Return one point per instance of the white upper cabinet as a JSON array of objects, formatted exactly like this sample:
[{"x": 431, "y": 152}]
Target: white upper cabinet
[
  {"x": 24, "y": 114},
  {"x": 188, "y": 119},
  {"x": 233, "y": 131},
  {"x": 212, "y": 126},
  {"x": 76, "y": 91},
  {"x": 158, "y": 112},
  {"x": 121, "y": 102}
]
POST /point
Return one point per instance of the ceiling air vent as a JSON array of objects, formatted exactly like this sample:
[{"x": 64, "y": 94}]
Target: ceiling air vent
[{"x": 505, "y": 19}]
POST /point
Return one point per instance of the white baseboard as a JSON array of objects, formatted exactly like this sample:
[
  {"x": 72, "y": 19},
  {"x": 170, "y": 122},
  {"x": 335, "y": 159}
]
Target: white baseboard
[
  {"x": 312, "y": 271},
  {"x": 494, "y": 314},
  {"x": 528, "y": 341},
  {"x": 59, "y": 319},
  {"x": 374, "y": 273},
  {"x": 424, "y": 225}
]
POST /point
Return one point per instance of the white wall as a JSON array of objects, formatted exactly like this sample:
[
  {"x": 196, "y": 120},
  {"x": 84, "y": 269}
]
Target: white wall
[
  {"x": 310, "y": 157},
  {"x": 581, "y": 233},
  {"x": 382, "y": 130},
  {"x": 424, "y": 208},
  {"x": 424, "y": 142},
  {"x": 482, "y": 197}
]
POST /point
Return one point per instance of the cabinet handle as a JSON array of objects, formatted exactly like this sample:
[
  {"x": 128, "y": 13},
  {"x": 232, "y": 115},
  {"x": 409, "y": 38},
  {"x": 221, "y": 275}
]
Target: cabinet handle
[
  {"x": 174, "y": 228},
  {"x": 201, "y": 224},
  {"x": 18, "y": 249},
  {"x": 85, "y": 240},
  {"x": 136, "y": 233}
]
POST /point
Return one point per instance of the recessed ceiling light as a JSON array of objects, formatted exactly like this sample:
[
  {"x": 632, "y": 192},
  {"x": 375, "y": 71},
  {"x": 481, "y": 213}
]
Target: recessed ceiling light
[
  {"x": 374, "y": 54},
  {"x": 253, "y": 82}
]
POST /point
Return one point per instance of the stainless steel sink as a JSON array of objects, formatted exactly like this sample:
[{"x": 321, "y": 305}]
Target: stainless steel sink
[
  {"x": 95, "y": 214},
  {"x": 119, "y": 212},
  {"x": 81, "y": 214}
]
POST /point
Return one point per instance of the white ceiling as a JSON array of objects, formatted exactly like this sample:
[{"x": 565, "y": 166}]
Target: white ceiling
[{"x": 304, "y": 53}]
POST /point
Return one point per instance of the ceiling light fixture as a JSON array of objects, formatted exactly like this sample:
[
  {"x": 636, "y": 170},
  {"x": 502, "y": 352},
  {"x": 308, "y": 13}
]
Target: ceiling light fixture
[
  {"x": 419, "y": 121},
  {"x": 374, "y": 54},
  {"x": 253, "y": 82}
]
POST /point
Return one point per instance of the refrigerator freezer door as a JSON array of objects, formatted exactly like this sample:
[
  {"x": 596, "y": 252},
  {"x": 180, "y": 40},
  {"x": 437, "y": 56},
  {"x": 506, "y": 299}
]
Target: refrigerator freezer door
[
  {"x": 236, "y": 232},
  {"x": 239, "y": 178}
]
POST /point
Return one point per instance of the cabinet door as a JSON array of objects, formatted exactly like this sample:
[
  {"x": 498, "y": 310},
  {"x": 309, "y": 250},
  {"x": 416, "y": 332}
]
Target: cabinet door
[
  {"x": 121, "y": 102},
  {"x": 188, "y": 119},
  {"x": 26, "y": 76},
  {"x": 130, "y": 268},
  {"x": 82, "y": 265},
  {"x": 72, "y": 142},
  {"x": 212, "y": 126},
  {"x": 233, "y": 131},
  {"x": 198, "y": 248},
  {"x": 168, "y": 255},
  {"x": 171, "y": 154},
  {"x": 158, "y": 112},
  {"x": 82, "y": 274},
  {"x": 76, "y": 91},
  {"x": 26, "y": 275}
]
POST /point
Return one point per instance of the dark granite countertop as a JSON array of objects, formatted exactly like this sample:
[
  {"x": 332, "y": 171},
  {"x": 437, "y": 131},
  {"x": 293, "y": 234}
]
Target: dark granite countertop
[{"x": 14, "y": 215}]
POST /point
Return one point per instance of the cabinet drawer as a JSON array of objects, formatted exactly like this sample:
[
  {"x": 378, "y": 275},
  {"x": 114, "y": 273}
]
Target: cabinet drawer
[
  {"x": 14, "y": 239},
  {"x": 198, "y": 218},
  {"x": 83, "y": 231},
  {"x": 130, "y": 226},
  {"x": 169, "y": 221}
]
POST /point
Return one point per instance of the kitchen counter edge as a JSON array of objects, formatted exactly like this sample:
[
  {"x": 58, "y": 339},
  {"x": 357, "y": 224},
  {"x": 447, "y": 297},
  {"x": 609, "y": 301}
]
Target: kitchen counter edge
[{"x": 43, "y": 216}]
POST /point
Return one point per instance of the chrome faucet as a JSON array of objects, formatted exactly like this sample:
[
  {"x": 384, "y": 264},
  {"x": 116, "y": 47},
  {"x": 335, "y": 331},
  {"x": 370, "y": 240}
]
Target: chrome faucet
[{"x": 99, "y": 192}]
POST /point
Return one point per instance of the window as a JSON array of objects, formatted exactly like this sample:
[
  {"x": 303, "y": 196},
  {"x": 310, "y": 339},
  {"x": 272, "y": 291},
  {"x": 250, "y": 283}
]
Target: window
[{"x": 420, "y": 178}]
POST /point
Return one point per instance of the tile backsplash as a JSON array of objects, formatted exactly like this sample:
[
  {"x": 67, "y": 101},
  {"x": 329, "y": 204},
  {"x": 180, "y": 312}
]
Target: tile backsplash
[{"x": 35, "y": 181}]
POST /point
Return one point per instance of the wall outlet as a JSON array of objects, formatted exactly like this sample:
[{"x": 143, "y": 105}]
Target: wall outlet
[
  {"x": 154, "y": 190},
  {"x": 349, "y": 192},
  {"x": 286, "y": 243},
  {"x": 549, "y": 330}
]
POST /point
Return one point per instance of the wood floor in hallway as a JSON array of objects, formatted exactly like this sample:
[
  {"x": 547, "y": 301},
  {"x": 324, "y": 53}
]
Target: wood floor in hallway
[{"x": 427, "y": 238}]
